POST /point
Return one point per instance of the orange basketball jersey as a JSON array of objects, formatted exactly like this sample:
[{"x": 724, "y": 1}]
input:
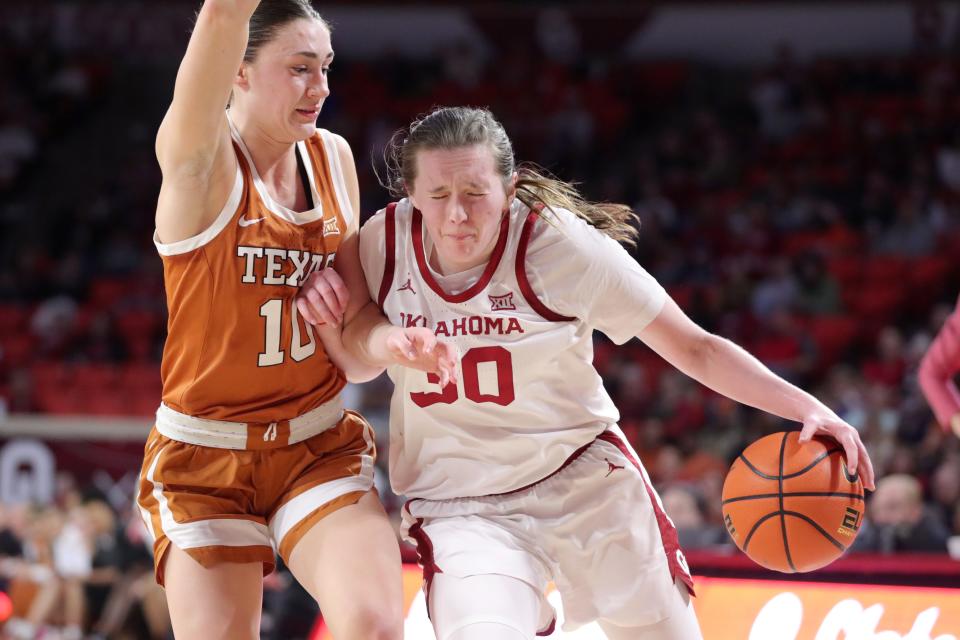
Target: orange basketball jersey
[{"x": 237, "y": 349}]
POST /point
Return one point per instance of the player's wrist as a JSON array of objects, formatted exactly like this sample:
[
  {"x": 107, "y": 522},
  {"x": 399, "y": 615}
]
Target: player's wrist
[
  {"x": 379, "y": 344},
  {"x": 955, "y": 424},
  {"x": 398, "y": 343}
]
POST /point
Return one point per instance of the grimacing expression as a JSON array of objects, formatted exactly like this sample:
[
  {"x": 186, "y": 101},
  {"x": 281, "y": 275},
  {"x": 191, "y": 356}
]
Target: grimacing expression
[
  {"x": 462, "y": 199},
  {"x": 286, "y": 84}
]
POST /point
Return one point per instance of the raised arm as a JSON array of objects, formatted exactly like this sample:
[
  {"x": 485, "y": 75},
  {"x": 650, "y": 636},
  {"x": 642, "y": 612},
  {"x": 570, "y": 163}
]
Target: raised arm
[
  {"x": 193, "y": 144},
  {"x": 937, "y": 369},
  {"x": 728, "y": 369}
]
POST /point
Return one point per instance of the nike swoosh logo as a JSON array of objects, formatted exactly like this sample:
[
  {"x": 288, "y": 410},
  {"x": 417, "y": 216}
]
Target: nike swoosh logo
[{"x": 246, "y": 223}]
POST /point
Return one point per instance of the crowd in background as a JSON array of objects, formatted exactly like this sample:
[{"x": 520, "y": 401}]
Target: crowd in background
[{"x": 809, "y": 210}]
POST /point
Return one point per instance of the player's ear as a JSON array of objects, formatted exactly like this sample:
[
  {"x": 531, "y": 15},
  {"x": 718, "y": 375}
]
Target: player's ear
[
  {"x": 409, "y": 189},
  {"x": 242, "y": 78},
  {"x": 511, "y": 189}
]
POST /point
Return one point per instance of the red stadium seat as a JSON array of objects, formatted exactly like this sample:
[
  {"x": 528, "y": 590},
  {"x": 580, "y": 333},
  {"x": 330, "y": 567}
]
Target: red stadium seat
[
  {"x": 879, "y": 270},
  {"x": 144, "y": 403},
  {"x": 107, "y": 402},
  {"x": 681, "y": 294},
  {"x": 137, "y": 323},
  {"x": 833, "y": 335},
  {"x": 98, "y": 376},
  {"x": 928, "y": 276},
  {"x": 14, "y": 318},
  {"x": 848, "y": 270},
  {"x": 143, "y": 377},
  {"x": 875, "y": 306},
  {"x": 59, "y": 400},
  {"x": 840, "y": 240},
  {"x": 797, "y": 243},
  {"x": 106, "y": 292},
  {"x": 16, "y": 350}
]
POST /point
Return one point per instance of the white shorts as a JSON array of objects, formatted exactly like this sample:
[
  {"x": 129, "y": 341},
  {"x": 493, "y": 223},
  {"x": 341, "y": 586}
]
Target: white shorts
[{"x": 595, "y": 527}]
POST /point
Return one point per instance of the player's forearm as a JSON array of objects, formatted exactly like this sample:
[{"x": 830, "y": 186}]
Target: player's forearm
[
  {"x": 730, "y": 370},
  {"x": 365, "y": 337},
  {"x": 354, "y": 368},
  {"x": 939, "y": 365},
  {"x": 941, "y": 394}
]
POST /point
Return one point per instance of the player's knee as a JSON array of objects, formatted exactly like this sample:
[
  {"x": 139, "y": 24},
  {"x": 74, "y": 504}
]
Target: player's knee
[
  {"x": 487, "y": 631},
  {"x": 244, "y": 626},
  {"x": 373, "y": 621}
]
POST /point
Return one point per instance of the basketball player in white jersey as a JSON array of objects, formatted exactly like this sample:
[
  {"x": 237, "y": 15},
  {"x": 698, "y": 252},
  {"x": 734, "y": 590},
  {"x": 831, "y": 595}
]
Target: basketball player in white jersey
[
  {"x": 253, "y": 454},
  {"x": 516, "y": 469}
]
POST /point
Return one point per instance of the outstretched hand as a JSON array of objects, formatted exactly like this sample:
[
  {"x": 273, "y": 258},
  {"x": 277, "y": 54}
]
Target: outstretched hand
[
  {"x": 828, "y": 423},
  {"x": 418, "y": 348}
]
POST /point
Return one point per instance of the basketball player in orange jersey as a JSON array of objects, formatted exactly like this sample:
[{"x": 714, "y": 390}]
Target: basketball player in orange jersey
[
  {"x": 252, "y": 453},
  {"x": 517, "y": 470}
]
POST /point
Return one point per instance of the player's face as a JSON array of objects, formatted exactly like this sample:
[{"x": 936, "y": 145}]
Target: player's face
[
  {"x": 462, "y": 200},
  {"x": 286, "y": 84}
]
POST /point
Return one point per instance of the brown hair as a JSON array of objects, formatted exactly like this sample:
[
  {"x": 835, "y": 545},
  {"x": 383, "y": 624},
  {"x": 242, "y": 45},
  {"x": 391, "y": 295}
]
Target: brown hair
[
  {"x": 272, "y": 15},
  {"x": 454, "y": 127}
]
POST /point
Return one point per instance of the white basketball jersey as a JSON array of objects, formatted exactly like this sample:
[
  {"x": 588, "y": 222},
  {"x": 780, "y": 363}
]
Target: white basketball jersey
[{"x": 528, "y": 395}]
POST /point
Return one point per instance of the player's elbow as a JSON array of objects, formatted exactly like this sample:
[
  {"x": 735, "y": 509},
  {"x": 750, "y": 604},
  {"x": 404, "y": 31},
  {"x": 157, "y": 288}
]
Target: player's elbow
[
  {"x": 358, "y": 374},
  {"x": 701, "y": 352},
  {"x": 219, "y": 10}
]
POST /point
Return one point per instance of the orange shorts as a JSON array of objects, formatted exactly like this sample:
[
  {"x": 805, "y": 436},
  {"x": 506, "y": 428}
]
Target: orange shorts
[{"x": 228, "y": 505}]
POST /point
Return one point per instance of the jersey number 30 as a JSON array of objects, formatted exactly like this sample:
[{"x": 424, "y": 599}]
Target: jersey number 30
[{"x": 470, "y": 365}]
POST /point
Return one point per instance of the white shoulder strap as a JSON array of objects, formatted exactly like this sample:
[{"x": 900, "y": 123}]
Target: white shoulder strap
[{"x": 336, "y": 172}]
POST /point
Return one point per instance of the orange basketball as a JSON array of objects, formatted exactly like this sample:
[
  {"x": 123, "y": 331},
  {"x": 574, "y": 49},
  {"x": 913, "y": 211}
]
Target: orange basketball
[{"x": 792, "y": 507}]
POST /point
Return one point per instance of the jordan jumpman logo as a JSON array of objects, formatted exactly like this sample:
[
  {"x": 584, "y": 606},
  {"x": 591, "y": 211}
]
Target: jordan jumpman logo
[
  {"x": 407, "y": 287},
  {"x": 612, "y": 467}
]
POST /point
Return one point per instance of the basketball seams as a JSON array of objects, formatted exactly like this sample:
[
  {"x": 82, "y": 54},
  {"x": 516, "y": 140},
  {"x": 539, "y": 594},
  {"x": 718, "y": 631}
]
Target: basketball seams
[
  {"x": 766, "y": 476},
  {"x": 783, "y": 517},
  {"x": 757, "y": 471},
  {"x": 823, "y": 456},
  {"x": 753, "y": 530},
  {"x": 796, "y": 494},
  {"x": 813, "y": 523}
]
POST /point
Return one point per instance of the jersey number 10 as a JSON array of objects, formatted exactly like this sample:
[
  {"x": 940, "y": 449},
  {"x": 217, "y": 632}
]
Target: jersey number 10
[
  {"x": 470, "y": 365},
  {"x": 272, "y": 354}
]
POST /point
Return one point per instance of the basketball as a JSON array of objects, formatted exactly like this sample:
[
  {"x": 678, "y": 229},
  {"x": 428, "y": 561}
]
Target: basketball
[{"x": 792, "y": 507}]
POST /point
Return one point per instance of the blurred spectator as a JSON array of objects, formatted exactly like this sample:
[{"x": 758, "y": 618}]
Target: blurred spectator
[
  {"x": 945, "y": 490},
  {"x": 776, "y": 292},
  {"x": 687, "y": 510},
  {"x": 948, "y": 163},
  {"x": 53, "y": 323},
  {"x": 101, "y": 342},
  {"x": 898, "y": 522},
  {"x": 888, "y": 366},
  {"x": 817, "y": 291},
  {"x": 72, "y": 572},
  {"x": 782, "y": 346},
  {"x": 124, "y": 585},
  {"x": 911, "y": 233},
  {"x": 557, "y": 35}
]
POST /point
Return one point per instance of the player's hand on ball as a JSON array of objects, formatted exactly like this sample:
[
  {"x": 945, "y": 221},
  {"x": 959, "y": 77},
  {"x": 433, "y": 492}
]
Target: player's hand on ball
[
  {"x": 418, "y": 348},
  {"x": 828, "y": 423},
  {"x": 323, "y": 298}
]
